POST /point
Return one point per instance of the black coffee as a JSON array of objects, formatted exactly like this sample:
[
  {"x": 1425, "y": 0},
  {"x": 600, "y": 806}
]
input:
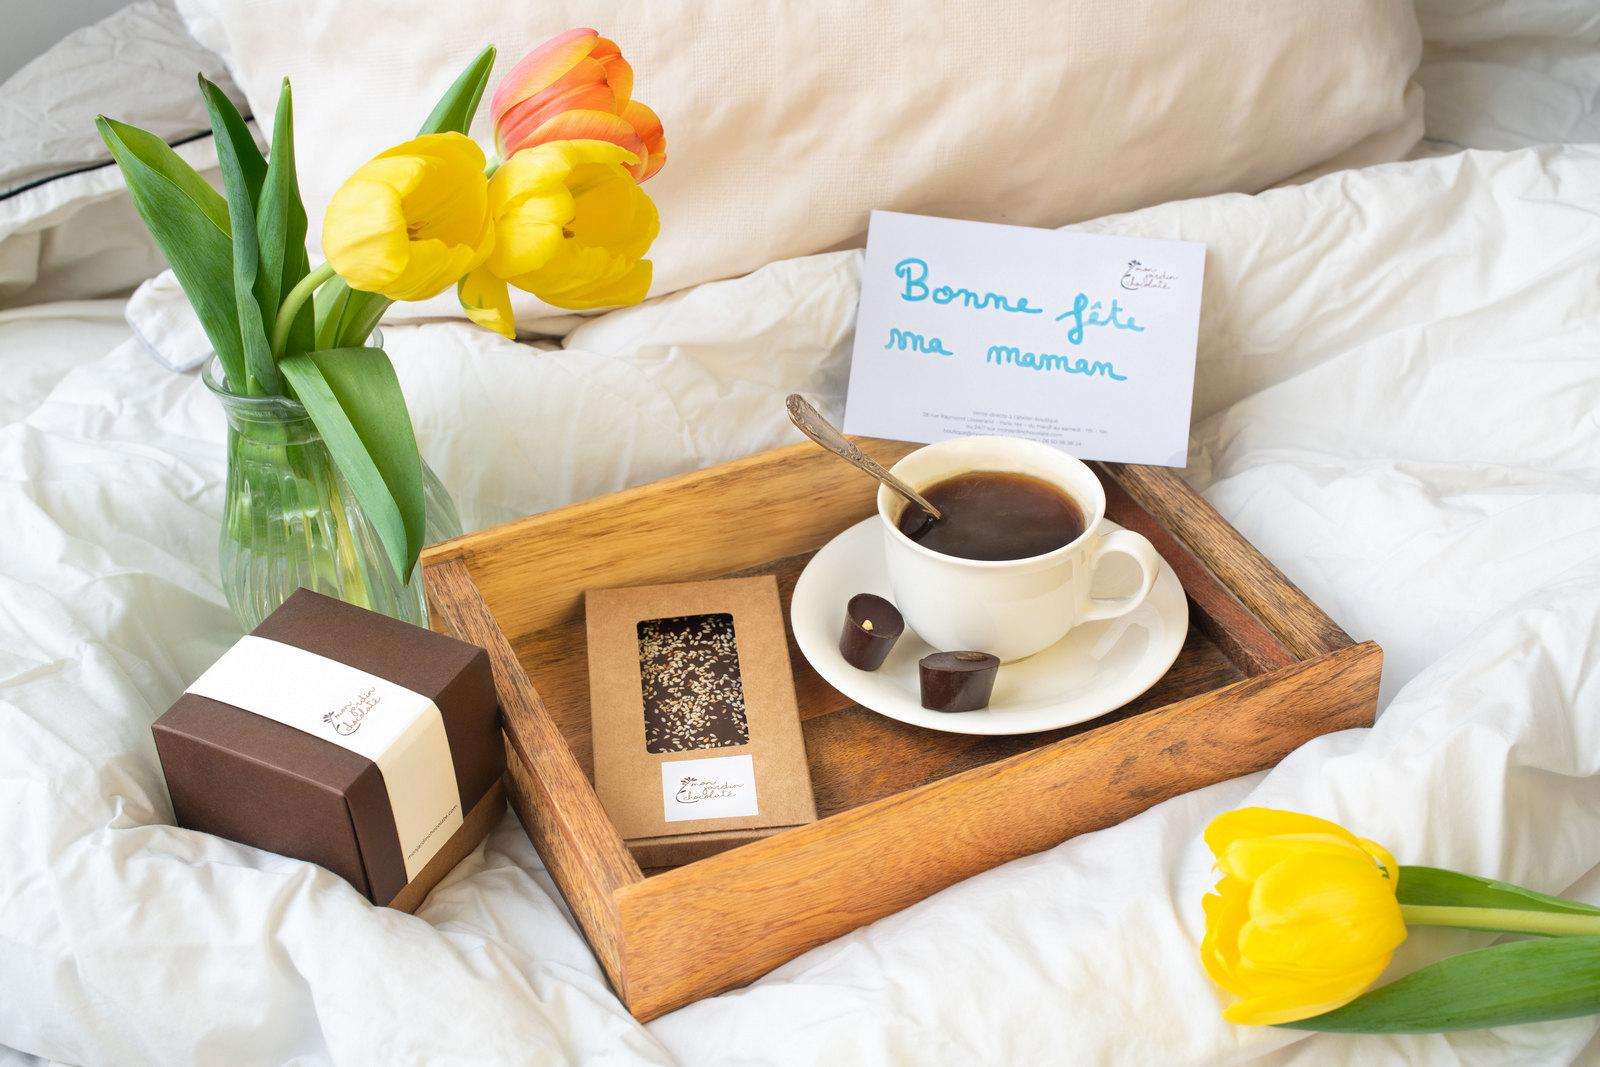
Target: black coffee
[{"x": 994, "y": 515}]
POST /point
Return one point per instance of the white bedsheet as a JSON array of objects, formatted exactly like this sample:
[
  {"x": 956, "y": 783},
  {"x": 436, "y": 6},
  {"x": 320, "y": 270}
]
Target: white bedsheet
[{"x": 1398, "y": 387}]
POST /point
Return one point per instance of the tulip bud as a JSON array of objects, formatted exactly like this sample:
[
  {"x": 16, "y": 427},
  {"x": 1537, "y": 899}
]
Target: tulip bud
[{"x": 576, "y": 86}]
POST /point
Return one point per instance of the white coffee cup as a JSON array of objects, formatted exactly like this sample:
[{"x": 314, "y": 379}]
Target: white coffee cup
[{"x": 1010, "y": 608}]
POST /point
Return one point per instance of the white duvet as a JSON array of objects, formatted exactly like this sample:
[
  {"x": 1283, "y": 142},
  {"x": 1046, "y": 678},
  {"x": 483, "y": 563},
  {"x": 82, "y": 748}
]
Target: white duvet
[{"x": 1397, "y": 400}]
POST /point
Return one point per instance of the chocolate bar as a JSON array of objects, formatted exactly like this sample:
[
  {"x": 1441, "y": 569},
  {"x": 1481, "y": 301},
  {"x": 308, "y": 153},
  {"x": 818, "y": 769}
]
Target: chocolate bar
[{"x": 693, "y": 695}]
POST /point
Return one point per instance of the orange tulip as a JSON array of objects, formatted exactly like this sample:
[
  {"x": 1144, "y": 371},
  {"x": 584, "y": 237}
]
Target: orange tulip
[{"x": 576, "y": 87}]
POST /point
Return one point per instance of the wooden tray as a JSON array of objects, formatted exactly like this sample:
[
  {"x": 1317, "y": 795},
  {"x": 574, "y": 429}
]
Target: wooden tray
[{"x": 904, "y": 812}]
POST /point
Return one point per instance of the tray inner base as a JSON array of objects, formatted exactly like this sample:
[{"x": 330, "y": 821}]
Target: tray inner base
[{"x": 856, "y": 756}]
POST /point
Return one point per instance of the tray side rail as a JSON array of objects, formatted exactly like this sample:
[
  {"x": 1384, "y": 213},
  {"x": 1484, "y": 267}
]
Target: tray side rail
[
  {"x": 1217, "y": 611},
  {"x": 533, "y": 572},
  {"x": 549, "y": 791},
  {"x": 726, "y": 920},
  {"x": 1294, "y": 618}
]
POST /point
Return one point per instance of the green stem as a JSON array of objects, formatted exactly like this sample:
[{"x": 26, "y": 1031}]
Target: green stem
[
  {"x": 1505, "y": 920},
  {"x": 293, "y": 303}
]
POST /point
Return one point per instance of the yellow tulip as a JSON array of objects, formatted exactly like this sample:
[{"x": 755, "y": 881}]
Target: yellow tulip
[
  {"x": 571, "y": 226},
  {"x": 412, "y": 221},
  {"x": 1303, "y": 919}
]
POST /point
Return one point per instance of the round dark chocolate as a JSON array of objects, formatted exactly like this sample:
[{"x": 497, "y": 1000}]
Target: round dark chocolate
[
  {"x": 871, "y": 627},
  {"x": 957, "y": 681}
]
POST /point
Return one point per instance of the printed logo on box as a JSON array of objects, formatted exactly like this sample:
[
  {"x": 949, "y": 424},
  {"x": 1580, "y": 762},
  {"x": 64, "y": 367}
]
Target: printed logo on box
[
  {"x": 721, "y": 787},
  {"x": 347, "y": 718}
]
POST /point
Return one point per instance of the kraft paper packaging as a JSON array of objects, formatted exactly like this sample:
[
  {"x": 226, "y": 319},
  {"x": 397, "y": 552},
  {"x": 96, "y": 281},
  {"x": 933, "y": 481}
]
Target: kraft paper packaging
[{"x": 686, "y": 785}]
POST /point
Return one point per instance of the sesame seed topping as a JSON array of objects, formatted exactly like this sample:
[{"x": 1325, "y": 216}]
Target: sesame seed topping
[{"x": 693, "y": 694}]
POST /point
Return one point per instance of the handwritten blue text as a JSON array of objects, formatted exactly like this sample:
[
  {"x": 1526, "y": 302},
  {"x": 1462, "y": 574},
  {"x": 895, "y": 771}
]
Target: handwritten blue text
[
  {"x": 913, "y": 273},
  {"x": 1010, "y": 355},
  {"x": 1080, "y": 304},
  {"x": 906, "y": 341}
]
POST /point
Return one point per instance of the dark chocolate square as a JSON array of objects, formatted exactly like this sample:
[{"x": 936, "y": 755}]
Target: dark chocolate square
[{"x": 693, "y": 694}]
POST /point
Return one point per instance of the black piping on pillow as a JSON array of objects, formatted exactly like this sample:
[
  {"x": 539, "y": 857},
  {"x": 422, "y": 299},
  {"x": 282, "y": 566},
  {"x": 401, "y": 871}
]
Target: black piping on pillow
[{"x": 47, "y": 179}]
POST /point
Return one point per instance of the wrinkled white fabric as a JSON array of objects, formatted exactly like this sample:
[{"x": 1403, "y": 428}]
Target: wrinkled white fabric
[
  {"x": 67, "y": 227},
  {"x": 138, "y": 64},
  {"x": 1398, "y": 382},
  {"x": 1509, "y": 73}
]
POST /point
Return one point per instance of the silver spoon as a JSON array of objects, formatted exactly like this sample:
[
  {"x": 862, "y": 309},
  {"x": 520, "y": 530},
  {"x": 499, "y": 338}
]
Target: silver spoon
[{"x": 809, "y": 421}]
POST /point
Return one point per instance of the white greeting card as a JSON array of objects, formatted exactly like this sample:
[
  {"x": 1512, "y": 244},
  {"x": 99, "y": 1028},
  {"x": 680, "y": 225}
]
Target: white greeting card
[{"x": 1083, "y": 341}]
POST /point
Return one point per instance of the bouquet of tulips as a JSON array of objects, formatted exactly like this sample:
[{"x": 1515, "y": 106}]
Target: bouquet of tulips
[
  {"x": 1307, "y": 915},
  {"x": 557, "y": 212}
]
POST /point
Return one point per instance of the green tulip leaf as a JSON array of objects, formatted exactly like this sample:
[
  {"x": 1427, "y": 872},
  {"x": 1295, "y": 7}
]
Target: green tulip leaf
[
  {"x": 1437, "y": 887},
  {"x": 459, "y": 104},
  {"x": 1517, "y": 982},
  {"x": 244, "y": 169},
  {"x": 354, "y": 398},
  {"x": 347, "y": 316},
  {"x": 281, "y": 230},
  {"x": 189, "y": 221}
]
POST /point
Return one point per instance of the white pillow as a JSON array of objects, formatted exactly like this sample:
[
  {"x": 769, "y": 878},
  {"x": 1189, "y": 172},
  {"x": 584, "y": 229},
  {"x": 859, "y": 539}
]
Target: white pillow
[
  {"x": 788, "y": 122},
  {"x": 67, "y": 227},
  {"x": 1510, "y": 73}
]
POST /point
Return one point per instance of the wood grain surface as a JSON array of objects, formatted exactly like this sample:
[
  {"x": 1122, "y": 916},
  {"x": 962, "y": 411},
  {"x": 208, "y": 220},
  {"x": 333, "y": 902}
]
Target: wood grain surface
[
  {"x": 1218, "y": 612},
  {"x": 1303, "y": 628},
  {"x": 728, "y": 919},
  {"x": 906, "y": 811},
  {"x": 855, "y": 755},
  {"x": 532, "y": 573},
  {"x": 549, "y": 792}
]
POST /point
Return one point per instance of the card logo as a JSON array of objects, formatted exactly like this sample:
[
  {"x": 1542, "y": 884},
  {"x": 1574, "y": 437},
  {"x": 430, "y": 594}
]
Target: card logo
[
  {"x": 1139, "y": 276},
  {"x": 347, "y": 718}
]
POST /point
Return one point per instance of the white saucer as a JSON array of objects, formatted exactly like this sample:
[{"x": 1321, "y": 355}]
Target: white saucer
[{"x": 1096, "y": 668}]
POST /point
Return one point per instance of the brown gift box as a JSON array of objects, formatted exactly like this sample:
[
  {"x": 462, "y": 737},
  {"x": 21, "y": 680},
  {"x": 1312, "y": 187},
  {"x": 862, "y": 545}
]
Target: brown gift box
[
  {"x": 253, "y": 779},
  {"x": 651, "y": 779}
]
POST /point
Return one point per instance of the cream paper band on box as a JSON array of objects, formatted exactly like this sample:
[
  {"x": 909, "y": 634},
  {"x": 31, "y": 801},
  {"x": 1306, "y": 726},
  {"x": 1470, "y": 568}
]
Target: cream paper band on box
[{"x": 400, "y": 730}]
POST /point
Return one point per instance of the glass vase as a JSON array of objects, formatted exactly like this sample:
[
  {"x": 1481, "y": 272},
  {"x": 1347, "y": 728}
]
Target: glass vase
[{"x": 289, "y": 520}]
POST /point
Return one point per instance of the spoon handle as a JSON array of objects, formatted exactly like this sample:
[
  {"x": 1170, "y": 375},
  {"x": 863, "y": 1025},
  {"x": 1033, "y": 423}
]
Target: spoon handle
[{"x": 809, "y": 421}]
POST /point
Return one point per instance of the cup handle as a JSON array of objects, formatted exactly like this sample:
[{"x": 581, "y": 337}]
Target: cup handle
[{"x": 1143, "y": 553}]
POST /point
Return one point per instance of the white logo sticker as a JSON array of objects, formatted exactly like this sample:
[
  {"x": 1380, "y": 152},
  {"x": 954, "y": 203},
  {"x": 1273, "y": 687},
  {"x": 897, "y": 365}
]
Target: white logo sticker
[{"x": 721, "y": 787}]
